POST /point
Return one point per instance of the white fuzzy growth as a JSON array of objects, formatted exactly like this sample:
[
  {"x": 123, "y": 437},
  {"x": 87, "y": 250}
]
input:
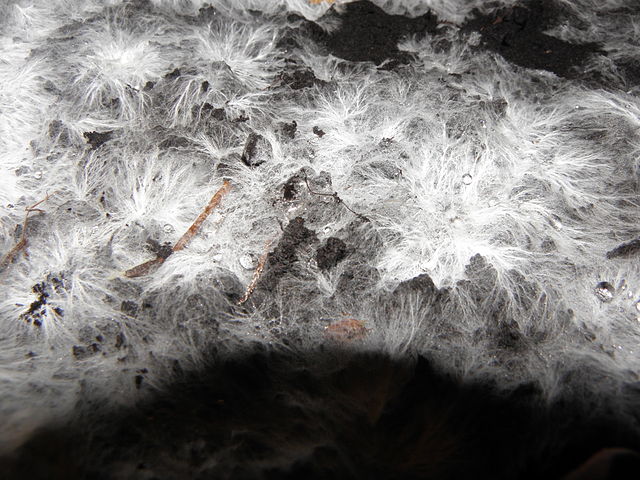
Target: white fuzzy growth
[{"x": 537, "y": 174}]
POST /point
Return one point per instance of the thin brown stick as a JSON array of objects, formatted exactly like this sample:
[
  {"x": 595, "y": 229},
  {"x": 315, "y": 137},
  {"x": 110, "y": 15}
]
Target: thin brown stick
[
  {"x": 151, "y": 265},
  {"x": 144, "y": 268},
  {"x": 193, "y": 229},
  {"x": 21, "y": 245},
  {"x": 256, "y": 274}
]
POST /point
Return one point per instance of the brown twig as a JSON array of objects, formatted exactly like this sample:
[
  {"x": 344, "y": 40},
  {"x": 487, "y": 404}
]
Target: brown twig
[
  {"x": 193, "y": 229},
  {"x": 151, "y": 265},
  {"x": 21, "y": 245},
  {"x": 144, "y": 268},
  {"x": 336, "y": 198},
  {"x": 256, "y": 274}
]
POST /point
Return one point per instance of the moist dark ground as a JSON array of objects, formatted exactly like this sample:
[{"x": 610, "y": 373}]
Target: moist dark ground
[{"x": 346, "y": 415}]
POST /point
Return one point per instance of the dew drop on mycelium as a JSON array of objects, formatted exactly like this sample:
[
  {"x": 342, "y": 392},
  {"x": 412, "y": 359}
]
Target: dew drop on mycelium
[
  {"x": 638, "y": 305},
  {"x": 246, "y": 261},
  {"x": 604, "y": 292},
  {"x": 168, "y": 228},
  {"x": 467, "y": 179},
  {"x": 37, "y": 174}
]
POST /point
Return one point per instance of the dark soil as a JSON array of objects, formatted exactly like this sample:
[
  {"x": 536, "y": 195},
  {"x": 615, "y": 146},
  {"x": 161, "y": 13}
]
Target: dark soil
[
  {"x": 289, "y": 129},
  {"x": 299, "y": 78},
  {"x": 96, "y": 139},
  {"x": 215, "y": 113},
  {"x": 290, "y": 190},
  {"x": 625, "y": 250},
  {"x": 517, "y": 34},
  {"x": 332, "y": 251},
  {"x": 368, "y": 33},
  {"x": 283, "y": 260}
]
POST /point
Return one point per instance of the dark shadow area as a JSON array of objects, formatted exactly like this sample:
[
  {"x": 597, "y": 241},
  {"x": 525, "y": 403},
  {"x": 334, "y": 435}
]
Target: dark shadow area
[{"x": 330, "y": 413}]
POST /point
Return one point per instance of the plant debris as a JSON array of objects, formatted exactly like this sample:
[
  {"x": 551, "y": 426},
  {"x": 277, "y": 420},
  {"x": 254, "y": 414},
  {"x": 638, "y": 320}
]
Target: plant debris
[
  {"x": 256, "y": 274},
  {"x": 21, "y": 246},
  {"x": 335, "y": 197},
  {"x": 347, "y": 329},
  {"x": 151, "y": 265}
]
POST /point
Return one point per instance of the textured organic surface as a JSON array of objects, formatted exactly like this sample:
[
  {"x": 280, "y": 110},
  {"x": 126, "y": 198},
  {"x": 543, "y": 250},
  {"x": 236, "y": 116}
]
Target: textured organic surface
[{"x": 426, "y": 263}]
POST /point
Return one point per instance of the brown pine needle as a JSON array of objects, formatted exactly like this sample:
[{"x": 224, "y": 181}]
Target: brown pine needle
[
  {"x": 144, "y": 268},
  {"x": 193, "y": 229},
  {"x": 151, "y": 265},
  {"x": 256, "y": 274},
  {"x": 21, "y": 245}
]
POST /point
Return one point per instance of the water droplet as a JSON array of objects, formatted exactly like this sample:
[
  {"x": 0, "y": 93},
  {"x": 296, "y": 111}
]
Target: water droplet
[
  {"x": 604, "y": 291},
  {"x": 246, "y": 261},
  {"x": 467, "y": 179},
  {"x": 483, "y": 123},
  {"x": 168, "y": 228},
  {"x": 638, "y": 305},
  {"x": 37, "y": 174}
]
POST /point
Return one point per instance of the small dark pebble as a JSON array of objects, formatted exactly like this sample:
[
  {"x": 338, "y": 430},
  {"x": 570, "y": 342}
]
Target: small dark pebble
[
  {"x": 256, "y": 150},
  {"x": 96, "y": 139},
  {"x": 318, "y": 132}
]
